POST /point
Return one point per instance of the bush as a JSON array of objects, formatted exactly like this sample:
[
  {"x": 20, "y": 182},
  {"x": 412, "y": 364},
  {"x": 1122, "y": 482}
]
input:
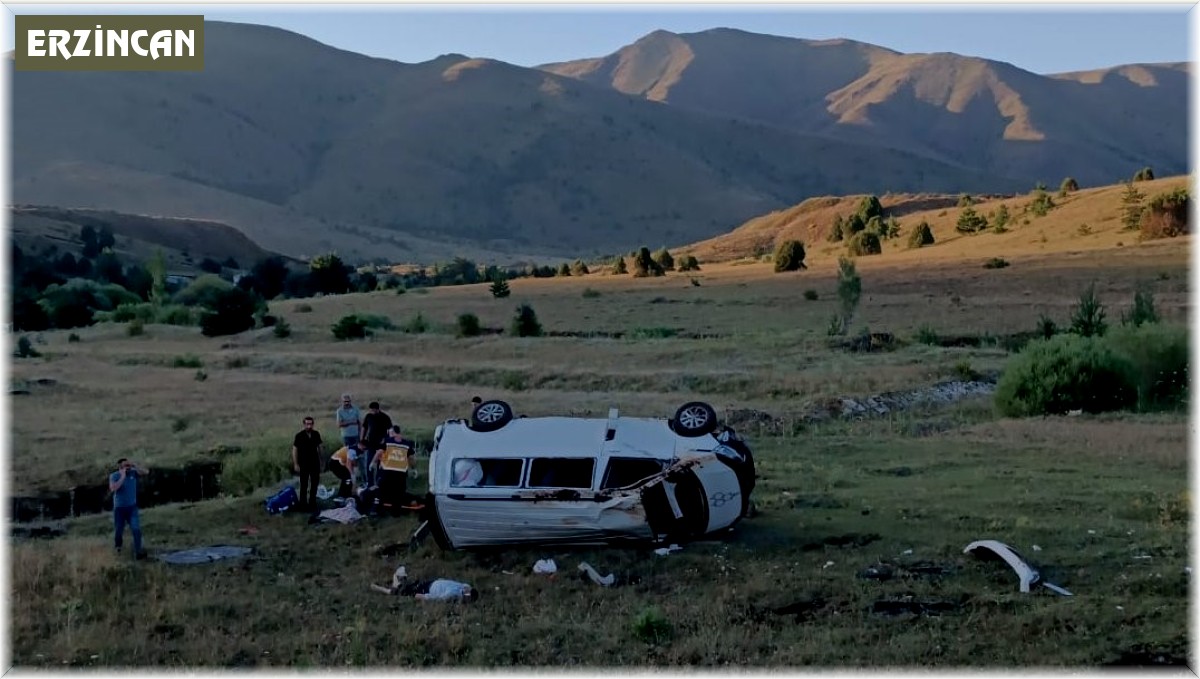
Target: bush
[
  {"x": 1158, "y": 356},
  {"x": 689, "y": 263},
  {"x": 1165, "y": 216},
  {"x": 1131, "y": 211},
  {"x": 282, "y": 328},
  {"x": 970, "y": 221},
  {"x": 789, "y": 256},
  {"x": 200, "y": 376},
  {"x": 652, "y": 333},
  {"x": 564, "y": 269},
  {"x": 1143, "y": 175},
  {"x": 810, "y": 295},
  {"x": 644, "y": 265},
  {"x": 232, "y": 312},
  {"x": 995, "y": 263},
  {"x": 203, "y": 291},
  {"x": 377, "y": 321},
  {"x": 665, "y": 260},
  {"x": 921, "y": 236},
  {"x": 927, "y": 335},
  {"x": 651, "y": 627},
  {"x": 468, "y": 325},
  {"x": 579, "y": 268},
  {"x": 72, "y": 338},
  {"x": 864, "y": 243},
  {"x": 500, "y": 289},
  {"x": 1142, "y": 311},
  {"x": 525, "y": 322},
  {"x": 303, "y": 308},
  {"x": 416, "y": 325},
  {"x": 1064, "y": 373},
  {"x": 1046, "y": 327},
  {"x": 187, "y": 361},
  {"x": 136, "y": 327},
  {"x": 619, "y": 267},
  {"x": 25, "y": 349},
  {"x": 1087, "y": 320},
  {"x": 260, "y": 466},
  {"x": 1069, "y": 184},
  {"x": 350, "y": 327}
]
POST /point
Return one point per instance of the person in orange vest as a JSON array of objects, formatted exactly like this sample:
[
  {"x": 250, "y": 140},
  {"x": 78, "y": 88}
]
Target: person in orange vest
[
  {"x": 394, "y": 461},
  {"x": 343, "y": 464}
]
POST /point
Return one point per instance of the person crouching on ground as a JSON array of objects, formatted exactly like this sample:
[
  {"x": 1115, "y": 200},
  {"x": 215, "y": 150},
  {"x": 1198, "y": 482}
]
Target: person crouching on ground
[
  {"x": 394, "y": 462},
  {"x": 306, "y": 461},
  {"x": 343, "y": 464},
  {"x": 123, "y": 484}
]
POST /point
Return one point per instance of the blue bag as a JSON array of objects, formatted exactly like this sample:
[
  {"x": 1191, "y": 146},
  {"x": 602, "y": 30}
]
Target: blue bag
[{"x": 282, "y": 501}]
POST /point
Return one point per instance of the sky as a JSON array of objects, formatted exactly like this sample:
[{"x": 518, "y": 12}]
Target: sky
[{"x": 1042, "y": 39}]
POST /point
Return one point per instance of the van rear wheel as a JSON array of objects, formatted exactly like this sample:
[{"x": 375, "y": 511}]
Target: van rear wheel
[
  {"x": 695, "y": 419},
  {"x": 490, "y": 416}
]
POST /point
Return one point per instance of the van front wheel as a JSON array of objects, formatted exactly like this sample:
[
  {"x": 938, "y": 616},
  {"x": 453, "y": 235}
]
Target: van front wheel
[{"x": 490, "y": 416}]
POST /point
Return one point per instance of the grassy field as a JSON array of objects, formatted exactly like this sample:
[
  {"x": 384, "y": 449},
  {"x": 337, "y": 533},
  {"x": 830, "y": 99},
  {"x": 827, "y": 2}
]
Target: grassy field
[{"x": 1096, "y": 494}]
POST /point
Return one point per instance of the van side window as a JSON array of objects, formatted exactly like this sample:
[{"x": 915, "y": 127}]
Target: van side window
[
  {"x": 471, "y": 473},
  {"x": 561, "y": 473},
  {"x": 624, "y": 471}
]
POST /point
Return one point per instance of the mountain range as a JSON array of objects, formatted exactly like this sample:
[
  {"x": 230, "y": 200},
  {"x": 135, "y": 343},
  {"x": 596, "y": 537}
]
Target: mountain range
[{"x": 305, "y": 148}]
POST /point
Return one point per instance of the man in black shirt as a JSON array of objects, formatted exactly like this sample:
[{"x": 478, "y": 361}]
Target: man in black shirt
[
  {"x": 306, "y": 461},
  {"x": 375, "y": 429}
]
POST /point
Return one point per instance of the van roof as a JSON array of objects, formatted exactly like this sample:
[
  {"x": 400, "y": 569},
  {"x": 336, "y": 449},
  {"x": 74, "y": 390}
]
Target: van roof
[{"x": 568, "y": 437}]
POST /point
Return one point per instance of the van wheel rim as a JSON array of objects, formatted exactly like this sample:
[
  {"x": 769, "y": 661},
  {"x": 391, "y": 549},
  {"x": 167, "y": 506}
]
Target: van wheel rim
[
  {"x": 693, "y": 418},
  {"x": 490, "y": 413}
]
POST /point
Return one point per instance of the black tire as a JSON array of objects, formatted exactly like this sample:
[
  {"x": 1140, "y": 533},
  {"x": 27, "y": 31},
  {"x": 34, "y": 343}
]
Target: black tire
[
  {"x": 695, "y": 419},
  {"x": 490, "y": 416}
]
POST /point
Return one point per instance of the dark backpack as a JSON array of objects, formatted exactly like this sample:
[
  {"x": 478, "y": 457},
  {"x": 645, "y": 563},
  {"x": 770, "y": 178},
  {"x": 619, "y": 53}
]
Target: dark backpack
[{"x": 282, "y": 501}]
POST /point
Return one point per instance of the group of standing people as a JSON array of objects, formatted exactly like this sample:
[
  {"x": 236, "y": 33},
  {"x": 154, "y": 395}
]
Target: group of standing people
[{"x": 374, "y": 455}]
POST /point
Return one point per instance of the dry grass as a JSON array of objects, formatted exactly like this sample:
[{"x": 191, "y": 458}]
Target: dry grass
[{"x": 1056, "y": 232}]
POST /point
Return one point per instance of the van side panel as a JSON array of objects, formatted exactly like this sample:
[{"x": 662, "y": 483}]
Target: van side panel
[{"x": 472, "y": 521}]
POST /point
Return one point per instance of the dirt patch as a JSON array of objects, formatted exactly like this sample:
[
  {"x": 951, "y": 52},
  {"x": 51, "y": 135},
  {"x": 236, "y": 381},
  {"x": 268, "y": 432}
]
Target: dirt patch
[
  {"x": 910, "y": 605},
  {"x": 845, "y": 540}
]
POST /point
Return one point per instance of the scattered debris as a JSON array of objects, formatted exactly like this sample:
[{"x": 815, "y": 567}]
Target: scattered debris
[
  {"x": 906, "y": 552},
  {"x": 1037, "y": 548},
  {"x": 827, "y": 565},
  {"x": 1143, "y": 556},
  {"x": 605, "y": 581},
  {"x": 663, "y": 551},
  {"x": 205, "y": 554},
  {"x": 1091, "y": 532},
  {"x": 883, "y": 571},
  {"x": 545, "y": 567},
  {"x": 398, "y": 576},
  {"x": 801, "y": 609},
  {"x": 910, "y": 605},
  {"x": 325, "y": 492},
  {"x": 1056, "y": 589},
  {"x": 1027, "y": 575},
  {"x": 248, "y": 530}
]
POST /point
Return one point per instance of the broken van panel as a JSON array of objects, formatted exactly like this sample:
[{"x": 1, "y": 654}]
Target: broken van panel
[{"x": 500, "y": 480}]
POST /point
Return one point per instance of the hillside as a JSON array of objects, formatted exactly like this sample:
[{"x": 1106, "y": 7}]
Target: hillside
[
  {"x": 1098, "y": 126},
  {"x": 1088, "y": 219},
  {"x": 183, "y": 242},
  {"x": 305, "y": 148}
]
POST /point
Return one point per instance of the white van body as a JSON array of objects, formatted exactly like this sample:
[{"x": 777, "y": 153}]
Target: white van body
[{"x": 569, "y": 480}]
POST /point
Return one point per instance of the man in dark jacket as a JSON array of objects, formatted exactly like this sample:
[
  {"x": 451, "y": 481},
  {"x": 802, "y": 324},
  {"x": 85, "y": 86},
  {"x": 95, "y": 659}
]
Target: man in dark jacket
[
  {"x": 375, "y": 430},
  {"x": 123, "y": 484},
  {"x": 307, "y": 448}
]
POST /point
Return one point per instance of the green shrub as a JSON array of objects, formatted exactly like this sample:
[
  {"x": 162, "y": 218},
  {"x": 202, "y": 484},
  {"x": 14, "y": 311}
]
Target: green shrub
[
  {"x": 1142, "y": 311},
  {"x": 689, "y": 263},
  {"x": 200, "y": 376},
  {"x": 921, "y": 235},
  {"x": 136, "y": 327},
  {"x": 525, "y": 322},
  {"x": 187, "y": 361},
  {"x": 304, "y": 308},
  {"x": 864, "y": 243},
  {"x": 789, "y": 256},
  {"x": 651, "y": 627},
  {"x": 995, "y": 263},
  {"x": 282, "y": 328},
  {"x": 468, "y": 325},
  {"x": 25, "y": 349},
  {"x": 1159, "y": 357},
  {"x": 1166, "y": 215},
  {"x": 350, "y": 327},
  {"x": 811, "y": 295},
  {"x": 970, "y": 221},
  {"x": 665, "y": 260},
  {"x": 262, "y": 464},
  {"x": 235, "y": 362},
  {"x": 1046, "y": 327},
  {"x": 416, "y": 325},
  {"x": 644, "y": 265},
  {"x": 377, "y": 321},
  {"x": 652, "y": 333},
  {"x": 232, "y": 311},
  {"x": 1087, "y": 319},
  {"x": 1064, "y": 373},
  {"x": 927, "y": 335},
  {"x": 72, "y": 338},
  {"x": 500, "y": 289}
]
